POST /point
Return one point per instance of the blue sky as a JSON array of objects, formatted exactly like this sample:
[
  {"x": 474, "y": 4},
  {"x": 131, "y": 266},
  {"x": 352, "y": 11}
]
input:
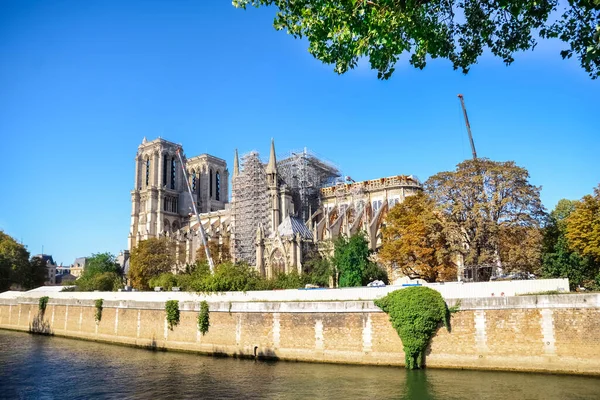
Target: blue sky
[{"x": 82, "y": 82}]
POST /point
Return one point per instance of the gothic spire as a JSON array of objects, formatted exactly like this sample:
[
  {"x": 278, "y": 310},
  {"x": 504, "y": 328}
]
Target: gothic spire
[
  {"x": 272, "y": 165},
  {"x": 236, "y": 164}
]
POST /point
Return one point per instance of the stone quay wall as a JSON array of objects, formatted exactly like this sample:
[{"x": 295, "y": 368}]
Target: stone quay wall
[{"x": 544, "y": 333}]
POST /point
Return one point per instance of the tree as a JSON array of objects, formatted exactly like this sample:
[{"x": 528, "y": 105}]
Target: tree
[
  {"x": 483, "y": 201},
  {"x": 218, "y": 251},
  {"x": 583, "y": 226},
  {"x": 351, "y": 259},
  {"x": 149, "y": 258},
  {"x": 101, "y": 273},
  {"x": 14, "y": 263},
  {"x": 318, "y": 269},
  {"x": 559, "y": 259},
  {"x": 340, "y": 32},
  {"x": 100, "y": 263},
  {"x": 415, "y": 242},
  {"x": 36, "y": 274}
]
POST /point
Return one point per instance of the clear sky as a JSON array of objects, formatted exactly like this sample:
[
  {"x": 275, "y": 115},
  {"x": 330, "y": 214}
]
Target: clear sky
[{"x": 82, "y": 82}]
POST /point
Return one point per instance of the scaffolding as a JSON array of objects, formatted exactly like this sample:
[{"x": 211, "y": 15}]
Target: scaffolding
[
  {"x": 250, "y": 203},
  {"x": 305, "y": 174}
]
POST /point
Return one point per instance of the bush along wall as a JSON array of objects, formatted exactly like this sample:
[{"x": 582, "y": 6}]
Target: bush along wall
[
  {"x": 172, "y": 310},
  {"x": 416, "y": 313}
]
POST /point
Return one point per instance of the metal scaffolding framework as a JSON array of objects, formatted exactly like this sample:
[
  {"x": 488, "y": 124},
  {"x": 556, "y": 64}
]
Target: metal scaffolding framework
[
  {"x": 304, "y": 174},
  {"x": 250, "y": 203}
]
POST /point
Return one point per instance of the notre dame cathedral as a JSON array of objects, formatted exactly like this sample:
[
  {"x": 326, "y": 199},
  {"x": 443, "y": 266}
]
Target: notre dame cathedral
[{"x": 277, "y": 213}]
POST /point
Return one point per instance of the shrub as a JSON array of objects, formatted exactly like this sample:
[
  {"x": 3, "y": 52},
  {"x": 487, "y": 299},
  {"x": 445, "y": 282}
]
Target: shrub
[
  {"x": 415, "y": 313},
  {"x": 203, "y": 318},
  {"x": 42, "y": 303},
  {"x": 104, "y": 282},
  {"x": 98, "y": 315},
  {"x": 165, "y": 281},
  {"x": 172, "y": 310},
  {"x": 228, "y": 277}
]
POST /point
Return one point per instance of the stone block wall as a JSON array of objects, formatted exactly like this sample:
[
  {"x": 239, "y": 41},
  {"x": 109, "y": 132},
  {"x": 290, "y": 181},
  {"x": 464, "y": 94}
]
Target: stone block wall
[{"x": 558, "y": 333}]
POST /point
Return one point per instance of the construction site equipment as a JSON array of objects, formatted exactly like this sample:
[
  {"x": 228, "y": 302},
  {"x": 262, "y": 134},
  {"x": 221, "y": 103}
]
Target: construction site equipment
[
  {"x": 305, "y": 174},
  {"x": 250, "y": 202},
  {"x": 462, "y": 103},
  {"x": 211, "y": 263}
]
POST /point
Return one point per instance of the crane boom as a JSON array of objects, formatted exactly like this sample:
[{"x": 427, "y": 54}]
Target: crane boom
[
  {"x": 211, "y": 263},
  {"x": 462, "y": 103}
]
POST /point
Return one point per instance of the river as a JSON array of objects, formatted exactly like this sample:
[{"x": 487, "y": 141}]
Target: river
[{"x": 42, "y": 367}]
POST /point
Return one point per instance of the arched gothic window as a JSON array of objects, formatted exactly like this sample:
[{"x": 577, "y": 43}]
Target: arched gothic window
[
  {"x": 278, "y": 262},
  {"x": 173, "y": 173},
  {"x": 210, "y": 183},
  {"x": 218, "y": 186},
  {"x": 147, "y": 171},
  {"x": 194, "y": 181}
]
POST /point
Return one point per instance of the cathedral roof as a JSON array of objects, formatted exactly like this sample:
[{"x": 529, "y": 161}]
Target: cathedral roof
[{"x": 292, "y": 226}]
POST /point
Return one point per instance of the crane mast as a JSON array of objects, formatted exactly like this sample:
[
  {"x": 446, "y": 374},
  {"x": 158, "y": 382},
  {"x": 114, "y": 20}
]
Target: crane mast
[
  {"x": 462, "y": 103},
  {"x": 211, "y": 263}
]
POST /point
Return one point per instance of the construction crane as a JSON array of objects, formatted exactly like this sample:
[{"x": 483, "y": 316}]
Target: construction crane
[
  {"x": 211, "y": 263},
  {"x": 462, "y": 103}
]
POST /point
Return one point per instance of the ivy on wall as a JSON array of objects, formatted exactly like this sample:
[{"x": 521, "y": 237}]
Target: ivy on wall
[
  {"x": 98, "y": 315},
  {"x": 415, "y": 313},
  {"x": 42, "y": 303},
  {"x": 172, "y": 310},
  {"x": 204, "y": 318}
]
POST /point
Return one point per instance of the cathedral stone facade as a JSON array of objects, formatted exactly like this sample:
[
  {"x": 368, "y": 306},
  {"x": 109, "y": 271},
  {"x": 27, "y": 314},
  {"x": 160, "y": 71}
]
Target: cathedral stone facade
[{"x": 278, "y": 212}]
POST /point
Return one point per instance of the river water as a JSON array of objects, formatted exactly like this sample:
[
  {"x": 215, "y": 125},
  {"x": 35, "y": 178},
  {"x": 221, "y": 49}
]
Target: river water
[{"x": 42, "y": 367}]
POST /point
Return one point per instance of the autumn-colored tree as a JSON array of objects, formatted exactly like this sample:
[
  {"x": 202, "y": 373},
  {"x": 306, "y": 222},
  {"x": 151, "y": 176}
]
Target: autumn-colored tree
[
  {"x": 482, "y": 202},
  {"x": 414, "y": 241},
  {"x": 149, "y": 259},
  {"x": 520, "y": 248},
  {"x": 218, "y": 251},
  {"x": 583, "y": 226}
]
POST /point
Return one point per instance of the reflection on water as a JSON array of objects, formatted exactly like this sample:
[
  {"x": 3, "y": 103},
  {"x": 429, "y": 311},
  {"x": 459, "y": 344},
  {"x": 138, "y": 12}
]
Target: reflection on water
[{"x": 40, "y": 367}]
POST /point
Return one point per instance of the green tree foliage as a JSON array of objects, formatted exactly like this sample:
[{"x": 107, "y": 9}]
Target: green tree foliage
[
  {"x": 583, "y": 226},
  {"x": 172, "y": 313},
  {"x": 203, "y": 318},
  {"x": 149, "y": 259},
  {"x": 14, "y": 264},
  {"x": 414, "y": 241},
  {"x": 351, "y": 260},
  {"x": 484, "y": 202},
  {"x": 415, "y": 313},
  {"x": 318, "y": 269},
  {"x": 101, "y": 273},
  {"x": 34, "y": 274},
  {"x": 229, "y": 277},
  {"x": 340, "y": 32},
  {"x": 560, "y": 260}
]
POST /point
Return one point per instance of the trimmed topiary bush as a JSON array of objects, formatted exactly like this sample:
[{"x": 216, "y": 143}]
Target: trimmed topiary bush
[
  {"x": 172, "y": 310},
  {"x": 42, "y": 303},
  {"x": 415, "y": 313},
  {"x": 99, "y": 304},
  {"x": 203, "y": 318}
]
